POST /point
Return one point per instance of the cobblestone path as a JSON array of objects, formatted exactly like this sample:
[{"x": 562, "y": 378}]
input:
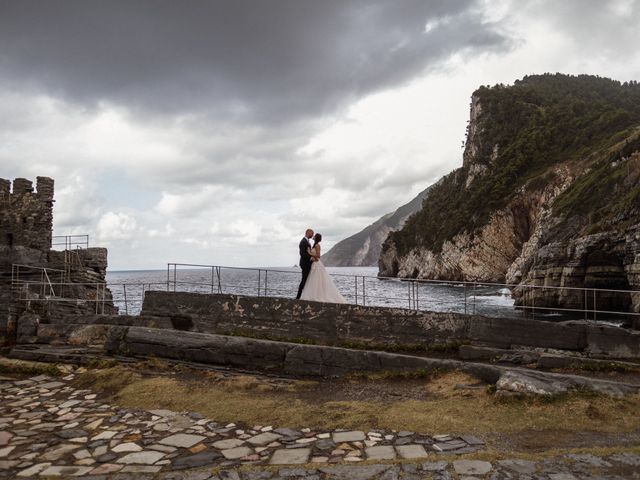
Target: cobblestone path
[{"x": 48, "y": 428}]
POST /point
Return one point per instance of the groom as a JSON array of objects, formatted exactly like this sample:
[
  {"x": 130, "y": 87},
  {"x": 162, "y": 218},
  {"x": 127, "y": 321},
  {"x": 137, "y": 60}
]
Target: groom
[{"x": 305, "y": 259}]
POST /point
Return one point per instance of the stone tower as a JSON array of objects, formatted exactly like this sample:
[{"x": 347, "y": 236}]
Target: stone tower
[{"x": 26, "y": 220}]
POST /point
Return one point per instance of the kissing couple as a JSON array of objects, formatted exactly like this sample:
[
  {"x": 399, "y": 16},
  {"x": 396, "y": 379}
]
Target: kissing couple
[{"x": 316, "y": 284}]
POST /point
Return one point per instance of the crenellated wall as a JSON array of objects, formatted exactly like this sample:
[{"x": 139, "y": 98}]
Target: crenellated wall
[
  {"x": 26, "y": 214},
  {"x": 26, "y": 226}
]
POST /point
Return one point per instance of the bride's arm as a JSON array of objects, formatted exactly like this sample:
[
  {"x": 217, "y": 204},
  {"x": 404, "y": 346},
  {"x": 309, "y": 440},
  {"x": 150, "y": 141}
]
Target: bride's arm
[{"x": 315, "y": 252}]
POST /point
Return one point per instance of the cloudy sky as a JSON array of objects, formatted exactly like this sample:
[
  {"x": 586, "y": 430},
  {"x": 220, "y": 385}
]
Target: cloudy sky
[{"x": 216, "y": 131}]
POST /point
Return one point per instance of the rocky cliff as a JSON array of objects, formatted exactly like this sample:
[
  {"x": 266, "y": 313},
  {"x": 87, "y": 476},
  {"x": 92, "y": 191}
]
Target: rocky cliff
[
  {"x": 363, "y": 248},
  {"x": 548, "y": 194}
]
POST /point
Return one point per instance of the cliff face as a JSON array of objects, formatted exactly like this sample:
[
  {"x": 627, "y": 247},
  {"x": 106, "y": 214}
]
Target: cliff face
[
  {"x": 363, "y": 248},
  {"x": 548, "y": 194}
]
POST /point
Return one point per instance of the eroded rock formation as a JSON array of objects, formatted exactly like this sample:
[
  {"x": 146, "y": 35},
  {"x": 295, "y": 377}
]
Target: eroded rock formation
[{"x": 543, "y": 198}]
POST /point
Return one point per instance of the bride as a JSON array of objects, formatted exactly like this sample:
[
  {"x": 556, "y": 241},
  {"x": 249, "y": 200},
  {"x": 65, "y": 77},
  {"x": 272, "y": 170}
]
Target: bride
[{"x": 320, "y": 286}]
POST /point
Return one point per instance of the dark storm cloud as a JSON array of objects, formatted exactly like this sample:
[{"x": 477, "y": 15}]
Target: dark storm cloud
[{"x": 247, "y": 60}]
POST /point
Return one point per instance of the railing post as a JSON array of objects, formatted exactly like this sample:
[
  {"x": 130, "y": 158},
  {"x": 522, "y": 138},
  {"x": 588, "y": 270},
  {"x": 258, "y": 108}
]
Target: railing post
[
  {"x": 364, "y": 292},
  {"x": 465, "y": 298},
  {"x": 355, "y": 278},
  {"x": 168, "y": 274},
  {"x": 594, "y": 306},
  {"x": 126, "y": 306},
  {"x": 474, "y": 298},
  {"x": 259, "y": 271},
  {"x": 175, "y": 276},
  {"x": 585, "y": 304},
  {"x": 212, "y": 268},
  {"x": 265, "y": 283},
  {"x": 533, "y": 304},
  {"x": 417, "y": 295}
]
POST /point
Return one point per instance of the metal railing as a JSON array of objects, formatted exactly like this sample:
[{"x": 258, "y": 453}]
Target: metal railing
[
  {"x": 415, "y": 294},
  {"x": 69, "y": 242},
  {"x": 483, "y": 298}
]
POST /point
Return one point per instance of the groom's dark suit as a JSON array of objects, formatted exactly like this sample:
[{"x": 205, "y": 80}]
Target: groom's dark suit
[{"x": 305, "y": 262}]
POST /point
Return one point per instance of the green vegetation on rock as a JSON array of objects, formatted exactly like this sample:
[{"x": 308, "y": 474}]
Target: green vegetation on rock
[{"x": 522, "y": 131}]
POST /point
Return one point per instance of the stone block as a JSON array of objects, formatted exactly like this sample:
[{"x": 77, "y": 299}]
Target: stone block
[
  {"x": 613, "y": 342},
  {"x": 411, "y": 451},
  {"x": 380, "y": 452},
  {"x": 291, "y": 456}
]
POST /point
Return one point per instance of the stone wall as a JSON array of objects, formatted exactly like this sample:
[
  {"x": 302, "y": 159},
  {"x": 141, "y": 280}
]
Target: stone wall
[
  {"x": 356, "y": 325},
  {"x": 26, "y": 224},
  {"x": 26, "y": 216}
]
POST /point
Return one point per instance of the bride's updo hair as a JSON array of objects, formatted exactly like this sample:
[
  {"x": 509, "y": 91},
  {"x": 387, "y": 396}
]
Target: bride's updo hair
[{"x": 317, "y": 238}]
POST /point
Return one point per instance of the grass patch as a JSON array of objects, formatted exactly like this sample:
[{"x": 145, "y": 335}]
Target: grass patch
[
  {"x": 444, "y": 408},
  {"x": 23, "y": 367}
]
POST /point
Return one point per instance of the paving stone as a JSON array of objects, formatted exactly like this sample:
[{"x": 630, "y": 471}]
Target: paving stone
[
  {"x": 435, "y": 466},
  {"x": 182, "y": 440},
  {"x": 58, "y": 452},
  {"x": 290, "y": 457},
  {"x": 65, "y": 471},
  {"x": 562, "y": 476},
  {"x": 4, "y": 452},
  {"x": 5, "y": 437},
  {"x": 201, "y": 459},
  {"x": 325, "y": 444},
  {"x": 471, "y": 467},
  {"x": 34, "y": 470},
  {"x": 147, "y": 457},
  {"x": 405, "y": 433},
  {"x": 106, "y": 435},
  {"x": 352, "y": 472},
  {"x": 287, "y": 432},
  {"x": 236, "y": 453},
  {"x": 257, "y": 475},
  {"x": 381, "y": 452},
  {"x": 264, "y": 438},
  {"x": 294, "y": 472},
  {"x": 472, "y": 440},
  {"x": 162, "y": 448},
  {"x": 230, "y": 443},
  {"x": 127, "y": 447},
  {"x": 449, "y": 446},
  {"x": 524, "y": 467},
  {"x": 354, "y": 436},
  {"x": 411, "y": 451},
  {"x": 138, "y": 469}
]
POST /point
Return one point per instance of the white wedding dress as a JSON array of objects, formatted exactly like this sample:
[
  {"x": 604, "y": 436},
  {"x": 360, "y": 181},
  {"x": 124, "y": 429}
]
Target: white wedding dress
[{"x": 320, "y": 287}]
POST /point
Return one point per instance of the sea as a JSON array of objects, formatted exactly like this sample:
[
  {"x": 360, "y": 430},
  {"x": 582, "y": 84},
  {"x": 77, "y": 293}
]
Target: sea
[{"x": 359, "y": 285}]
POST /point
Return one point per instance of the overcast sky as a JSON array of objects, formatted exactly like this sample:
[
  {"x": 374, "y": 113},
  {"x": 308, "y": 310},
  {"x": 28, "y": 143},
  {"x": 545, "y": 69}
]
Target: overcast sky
[{"x": 217, "y": 131}]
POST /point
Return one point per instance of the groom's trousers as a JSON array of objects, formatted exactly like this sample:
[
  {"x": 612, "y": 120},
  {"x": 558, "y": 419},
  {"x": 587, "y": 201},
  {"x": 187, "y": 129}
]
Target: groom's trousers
[{"x": 305, "y": 273}]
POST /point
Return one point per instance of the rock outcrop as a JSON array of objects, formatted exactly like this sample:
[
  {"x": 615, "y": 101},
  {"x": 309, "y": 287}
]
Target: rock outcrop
[
  {"x": 548, "y": 196},
  {"x": 363, "y": 248}
]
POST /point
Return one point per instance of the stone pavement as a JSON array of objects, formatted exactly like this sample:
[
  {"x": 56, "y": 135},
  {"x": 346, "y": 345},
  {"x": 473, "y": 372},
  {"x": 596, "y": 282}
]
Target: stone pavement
[{"x": 48, "y": 429}]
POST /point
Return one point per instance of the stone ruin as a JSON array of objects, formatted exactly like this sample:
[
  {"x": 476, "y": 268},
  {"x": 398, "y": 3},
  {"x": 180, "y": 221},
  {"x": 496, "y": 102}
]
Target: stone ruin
[{"x": 36, "y": 282}]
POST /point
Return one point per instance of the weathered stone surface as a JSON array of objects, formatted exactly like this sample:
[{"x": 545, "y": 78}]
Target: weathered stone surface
[
  {"x": 524, "y": 467},
  {"x": 55, "y": 471},
  {"x": 264, "y": 438},
  {"x": 290, "y": 456},
  {"x": 411, "y": 451},
  {"x": 352, "y": 472},
  {"x": 472, "y": 467},
  {"x": 182, "y": 440},
  {"x": 355, "y": 436},
  {"x": 381, "y": 452},
  {"x": 238, "y": 452},
  {"x": 148, "y": 457},
  {"x": 208, "y": 457},
  {"x": 230, "y": 443}
]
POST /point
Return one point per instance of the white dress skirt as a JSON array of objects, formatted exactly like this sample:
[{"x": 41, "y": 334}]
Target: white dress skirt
[{"x": 320, "y": 287}]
